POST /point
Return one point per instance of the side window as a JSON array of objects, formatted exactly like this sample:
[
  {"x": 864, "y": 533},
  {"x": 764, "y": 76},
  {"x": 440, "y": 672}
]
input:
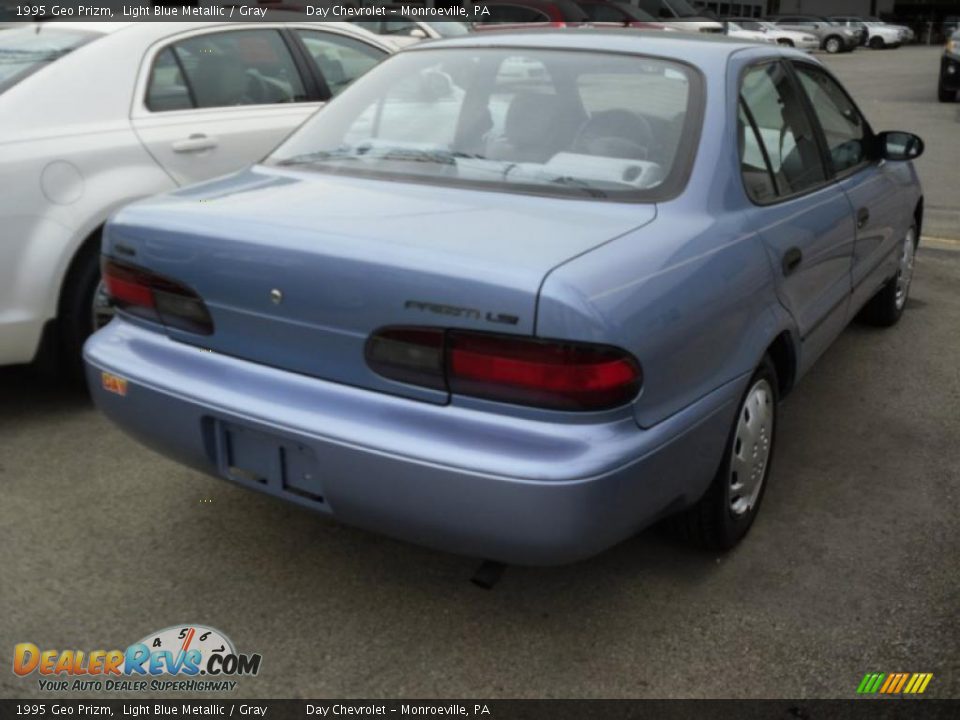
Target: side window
[
  {"x": 398, "y": 28},
  {"x": 167, "y": 89},
  {"x": 843, "y": 126},
  {"x": 754, "y": 163},
  {"x": 784, "y": 129},
  {"x": 340, "y": 60},
  {"x": 246, "y": 67}
]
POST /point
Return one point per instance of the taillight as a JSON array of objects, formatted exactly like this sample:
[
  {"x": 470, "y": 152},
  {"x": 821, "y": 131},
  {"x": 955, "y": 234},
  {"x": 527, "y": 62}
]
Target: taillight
[
  {"x": 551, "y": 374},
  {"x": 151, "y": 296}
]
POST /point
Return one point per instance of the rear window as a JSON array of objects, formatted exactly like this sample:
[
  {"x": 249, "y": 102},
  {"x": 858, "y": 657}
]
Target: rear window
[
  {"x": 604, "y": 125},
  {"x": 23, "y": 51}
]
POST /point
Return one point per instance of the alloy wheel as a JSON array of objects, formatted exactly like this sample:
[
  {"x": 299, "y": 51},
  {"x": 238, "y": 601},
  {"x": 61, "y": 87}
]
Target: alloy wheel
[{"x": 905, "y": 270}]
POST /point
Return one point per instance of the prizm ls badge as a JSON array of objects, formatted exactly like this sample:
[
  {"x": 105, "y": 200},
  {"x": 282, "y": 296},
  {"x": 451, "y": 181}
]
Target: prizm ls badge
[
  {"x": 464, "y": 312},
  {"x": 276, "y": 296}
]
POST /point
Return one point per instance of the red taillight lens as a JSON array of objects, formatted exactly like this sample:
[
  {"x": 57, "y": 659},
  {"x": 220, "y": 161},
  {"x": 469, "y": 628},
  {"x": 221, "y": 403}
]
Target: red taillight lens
[
  {"x": 525, "y": 371},
  {"x": 154, "y": 297}
]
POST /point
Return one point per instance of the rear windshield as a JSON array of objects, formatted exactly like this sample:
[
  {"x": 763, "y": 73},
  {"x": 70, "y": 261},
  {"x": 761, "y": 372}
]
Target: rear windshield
[
  {"x": 604, "y": 125},
  {"x": 25, "y": 50}
]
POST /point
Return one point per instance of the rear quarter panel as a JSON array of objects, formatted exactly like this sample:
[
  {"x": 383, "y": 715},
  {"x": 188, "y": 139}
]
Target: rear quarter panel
[{"x": 691, "y": 294}]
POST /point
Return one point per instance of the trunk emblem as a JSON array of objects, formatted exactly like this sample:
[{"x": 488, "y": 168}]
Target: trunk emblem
[{"x": 276, "y": 297}]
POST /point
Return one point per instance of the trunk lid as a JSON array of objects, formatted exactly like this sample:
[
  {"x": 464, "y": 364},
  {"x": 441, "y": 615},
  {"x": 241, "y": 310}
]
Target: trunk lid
[{"x": 298, "y": 268}]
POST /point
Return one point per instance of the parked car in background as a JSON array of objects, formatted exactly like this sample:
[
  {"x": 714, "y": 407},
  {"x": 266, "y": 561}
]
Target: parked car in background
[
  {"x": 834, "y": 38},
  {"x": 407, "y": 31},
  {"x": 949, "y": 82},
  {"x": 606, "y": 13},
  {"x": 875, "y": 33},
  {"x": 680, "y": 15},
  {"x": 735, "y": 30},
  {"x": 906, "y": 32},
  {"x": 791, "y": 38},
  {"x": 516, "y": 318},
  {"x": 504, "y": 14},
  {"x": 175, "y": 103}
]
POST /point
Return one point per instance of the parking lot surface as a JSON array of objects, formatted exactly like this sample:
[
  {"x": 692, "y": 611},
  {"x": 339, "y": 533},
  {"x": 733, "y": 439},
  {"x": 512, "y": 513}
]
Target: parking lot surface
[
  {"x": 852, "y": 566},
  {"x": 897, "y": 90}
]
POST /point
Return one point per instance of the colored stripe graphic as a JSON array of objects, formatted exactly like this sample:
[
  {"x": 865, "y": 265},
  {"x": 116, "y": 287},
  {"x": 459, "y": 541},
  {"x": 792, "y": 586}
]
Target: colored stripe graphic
[{"x": 894, "y": 683}]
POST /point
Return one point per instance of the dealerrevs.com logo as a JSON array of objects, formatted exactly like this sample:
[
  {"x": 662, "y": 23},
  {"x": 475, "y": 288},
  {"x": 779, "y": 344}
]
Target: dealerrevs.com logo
[{"x": 187, "y": 658}]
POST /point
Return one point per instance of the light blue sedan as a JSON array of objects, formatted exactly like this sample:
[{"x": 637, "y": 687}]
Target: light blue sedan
[{"x": 516, "y": 296}]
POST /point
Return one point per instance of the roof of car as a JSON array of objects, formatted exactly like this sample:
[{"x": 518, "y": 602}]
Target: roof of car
[
  {"x": 153, "y": 31},
  {"x": 697, "y": 48}
]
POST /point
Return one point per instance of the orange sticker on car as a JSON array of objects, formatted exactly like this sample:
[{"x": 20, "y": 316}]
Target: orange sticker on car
[{"x": 112, "y": 383}]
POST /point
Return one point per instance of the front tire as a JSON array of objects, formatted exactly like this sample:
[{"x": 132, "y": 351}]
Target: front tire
[
  {"x": 877, "y": 43},
  {"x": 724, "y": 515},
  {"x": 786, "y": 41},
  {"x": 886, "y": 307},
  {"x": 833, "y": 44},
  {"x": 945, "y": 95}
]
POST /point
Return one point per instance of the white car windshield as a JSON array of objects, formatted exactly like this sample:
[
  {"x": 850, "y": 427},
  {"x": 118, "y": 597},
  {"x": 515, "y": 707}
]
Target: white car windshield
[
  {"x": 546, "y": 121},
  {"x": 26, "y": 50}
]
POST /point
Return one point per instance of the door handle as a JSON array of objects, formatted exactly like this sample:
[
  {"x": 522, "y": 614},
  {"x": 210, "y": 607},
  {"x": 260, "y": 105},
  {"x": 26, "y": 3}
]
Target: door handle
[
  {"x": 863, "y": 217},
  {"x": 791, "y": 260},
  {"x": 198, "y": 142}
]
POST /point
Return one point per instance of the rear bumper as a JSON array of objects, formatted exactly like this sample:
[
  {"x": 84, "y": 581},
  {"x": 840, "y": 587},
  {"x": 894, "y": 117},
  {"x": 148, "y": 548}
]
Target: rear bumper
[{"x": 458, "y": 479}]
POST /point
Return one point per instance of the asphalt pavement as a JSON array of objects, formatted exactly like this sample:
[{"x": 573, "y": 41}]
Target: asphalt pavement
[
  {"x": 852, "y": 567},
  {"x": 897, "y": 90}
]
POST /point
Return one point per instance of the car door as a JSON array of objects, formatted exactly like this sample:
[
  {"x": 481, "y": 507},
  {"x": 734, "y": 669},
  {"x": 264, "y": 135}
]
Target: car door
[
  {"x": 871, "y": 185},
  {"x": 213, "y": 102},
  {"x": 803, "y": 217}
]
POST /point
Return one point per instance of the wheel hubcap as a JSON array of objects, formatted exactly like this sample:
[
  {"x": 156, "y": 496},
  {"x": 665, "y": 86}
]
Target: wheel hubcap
[
  {"x": 905, "y": 271},
  {"x": 752, "y": 442},
  {"x": 102, "y": 310}
]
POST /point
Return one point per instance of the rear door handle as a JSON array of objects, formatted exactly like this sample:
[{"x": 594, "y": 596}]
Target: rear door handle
[
  {"x": 198, "y": 142},
  {"x": 863, "y": 217},
  {"x": 791, "y": 260}
]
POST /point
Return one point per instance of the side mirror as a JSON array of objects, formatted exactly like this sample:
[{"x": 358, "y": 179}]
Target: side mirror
[
  {"x": 418, "y": 33},
  {"x": 898, "y": 145}
]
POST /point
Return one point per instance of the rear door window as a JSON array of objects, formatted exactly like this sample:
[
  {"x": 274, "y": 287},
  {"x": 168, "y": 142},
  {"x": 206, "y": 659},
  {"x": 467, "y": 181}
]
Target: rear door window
[
  {"x": 226, "y": 69},
  {"x": 773, "y": 104}
]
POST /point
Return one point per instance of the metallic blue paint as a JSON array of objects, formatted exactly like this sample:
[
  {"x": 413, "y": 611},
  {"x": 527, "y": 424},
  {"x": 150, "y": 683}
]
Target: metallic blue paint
[{"x": 692, "y": 287}]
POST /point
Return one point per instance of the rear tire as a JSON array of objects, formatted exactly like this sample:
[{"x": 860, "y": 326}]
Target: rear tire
[
  {"x": 877, "y": 43},
  {"x": 75, "y": 320},
  {"x": 886, "y": 307},
  {"x": 945, "y": 95},
  {"x": 724, "y": 515},
  {"x": 785, "y": 41}
]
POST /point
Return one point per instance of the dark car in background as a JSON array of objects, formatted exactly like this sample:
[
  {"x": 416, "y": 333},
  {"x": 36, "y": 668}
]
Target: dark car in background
[
  {"x": 605, "y": 12},
  {"x": 949, "y": 83}
]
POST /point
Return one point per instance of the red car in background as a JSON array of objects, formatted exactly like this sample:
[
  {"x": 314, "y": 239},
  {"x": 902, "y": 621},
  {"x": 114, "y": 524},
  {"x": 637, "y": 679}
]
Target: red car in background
[{"x": 509, "y": 14}]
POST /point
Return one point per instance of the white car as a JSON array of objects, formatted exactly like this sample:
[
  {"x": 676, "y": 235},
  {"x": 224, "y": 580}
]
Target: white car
[
  {"x": 95, "y": 115},
  {"x": 791, "y": 38},
  {"x": 883, "y": 35},
  {"x": 878, "y": 33},
  {"x": 736, "y": 30},
  {"x": 405, "y": 31}
]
